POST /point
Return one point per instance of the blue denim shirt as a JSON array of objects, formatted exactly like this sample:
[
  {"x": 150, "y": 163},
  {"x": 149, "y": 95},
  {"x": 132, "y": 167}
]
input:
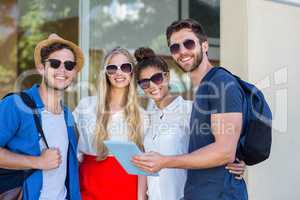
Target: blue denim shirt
[{"x": 19, "y": 134}]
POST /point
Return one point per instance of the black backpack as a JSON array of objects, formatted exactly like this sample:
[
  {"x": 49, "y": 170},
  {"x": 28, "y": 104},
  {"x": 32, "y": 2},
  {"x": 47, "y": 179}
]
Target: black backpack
[
  {"x": 11, "y": 179},
  {"x": 255, "y": 141}
]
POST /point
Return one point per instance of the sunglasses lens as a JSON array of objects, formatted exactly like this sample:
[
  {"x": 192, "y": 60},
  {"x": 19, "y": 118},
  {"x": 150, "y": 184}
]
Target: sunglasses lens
[
  {"x": 69, "y": 65},
  {"x": 126, "y": 68},
  {"x": 189, "y": 44},
  {"x": 54, "y": 63},
  {"x": 157, "y": 78},
  {"x": 144, "y": 83},
  {"x": 111, "y": 69},
  {"x": 174, "y": 48}
]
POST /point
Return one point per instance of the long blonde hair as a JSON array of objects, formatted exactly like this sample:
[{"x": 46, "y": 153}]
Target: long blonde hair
[{"x": 131, "y": 109}]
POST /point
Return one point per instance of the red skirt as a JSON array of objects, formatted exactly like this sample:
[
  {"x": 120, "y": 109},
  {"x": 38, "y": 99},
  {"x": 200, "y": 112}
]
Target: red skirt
[{"x": 106, "y": 180}]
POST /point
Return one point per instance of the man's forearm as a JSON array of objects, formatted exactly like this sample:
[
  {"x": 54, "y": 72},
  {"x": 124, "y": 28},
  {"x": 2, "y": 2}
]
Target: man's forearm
[
  {"x": 10, "y": 160},
  {"x": 206, "y": 157}
]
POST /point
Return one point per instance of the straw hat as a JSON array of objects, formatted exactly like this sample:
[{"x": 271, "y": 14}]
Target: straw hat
[{"x": 54, "y": 38}]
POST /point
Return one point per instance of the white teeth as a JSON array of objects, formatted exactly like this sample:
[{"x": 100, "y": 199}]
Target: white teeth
[
  {"x": 154, "y": 92},
  {"x": 185, "y": 59},
  {"x": 60, "y": 77},
  {"x": 120, "y": 79}
]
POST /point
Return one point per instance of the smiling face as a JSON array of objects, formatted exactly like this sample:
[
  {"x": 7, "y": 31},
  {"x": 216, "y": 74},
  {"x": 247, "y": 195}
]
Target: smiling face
[
  {"x": 154, "y": 91},
  {"x": 60, "y": 78},
  {"x": 188, "y": 59},
  {"x": 119, "y": 79}
]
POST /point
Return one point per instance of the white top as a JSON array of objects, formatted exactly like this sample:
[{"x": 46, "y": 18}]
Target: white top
[
  {"x": 85, "y": 117},
  {"x": 168, "y": 134},
  {"x": 57, "y": 137}
]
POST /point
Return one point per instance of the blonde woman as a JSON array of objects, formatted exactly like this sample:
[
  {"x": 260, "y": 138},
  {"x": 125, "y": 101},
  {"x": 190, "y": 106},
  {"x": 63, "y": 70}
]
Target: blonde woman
[{"x": 114, "y": 114}]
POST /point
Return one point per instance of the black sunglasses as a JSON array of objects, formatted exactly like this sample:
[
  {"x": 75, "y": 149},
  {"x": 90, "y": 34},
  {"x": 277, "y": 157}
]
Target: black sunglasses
[
  {"x": 155, "y": 78},
  {"x": 188, "y": 44},
  {"x": 55, "y": 64},
  {"x": 112, "y": 69}
]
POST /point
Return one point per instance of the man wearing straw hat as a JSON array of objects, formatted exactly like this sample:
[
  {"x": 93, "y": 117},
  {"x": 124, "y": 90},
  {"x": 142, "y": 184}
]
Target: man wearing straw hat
[{"x": 56, "y": 176}]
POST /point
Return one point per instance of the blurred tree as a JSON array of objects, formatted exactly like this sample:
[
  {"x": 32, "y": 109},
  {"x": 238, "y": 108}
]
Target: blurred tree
[
  {"x": 38, "y": 19},
  {"x": 8, "y": 39},
  {"x": 30, "y": 25}
]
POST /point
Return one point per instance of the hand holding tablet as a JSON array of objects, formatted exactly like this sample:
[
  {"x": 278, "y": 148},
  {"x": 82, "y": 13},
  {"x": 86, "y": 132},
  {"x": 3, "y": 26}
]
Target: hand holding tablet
[{"x": 124, "y": 151}]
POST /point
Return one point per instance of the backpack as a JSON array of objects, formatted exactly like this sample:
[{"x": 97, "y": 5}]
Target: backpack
[
  {"x": 255, "y": 141},
  {"x": 12, "y": 180}
]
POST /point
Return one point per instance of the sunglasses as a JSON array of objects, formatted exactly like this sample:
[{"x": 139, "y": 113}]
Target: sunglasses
[
  {"x": 55, "y": 64},
  {"x": 112, "y": 69},
  {"x": 188, "y": 44},
  {"x": 157, "y": 78}
]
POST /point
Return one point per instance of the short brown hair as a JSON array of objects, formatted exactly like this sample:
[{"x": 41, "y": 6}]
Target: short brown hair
[{"x": 195, "y": 26}]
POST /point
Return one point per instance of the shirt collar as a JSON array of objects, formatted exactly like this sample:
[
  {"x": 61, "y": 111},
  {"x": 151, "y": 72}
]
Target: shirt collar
[
  {"x": 35, "y": 95},
  {"x": 171, "y": 107}
]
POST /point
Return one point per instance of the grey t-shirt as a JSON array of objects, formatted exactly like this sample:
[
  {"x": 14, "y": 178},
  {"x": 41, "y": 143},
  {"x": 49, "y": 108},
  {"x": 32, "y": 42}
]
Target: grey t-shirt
[{"x": 56, "y": 134}]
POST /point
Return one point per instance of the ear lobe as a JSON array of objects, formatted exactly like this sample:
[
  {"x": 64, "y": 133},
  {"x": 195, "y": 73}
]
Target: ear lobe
[
  {"x": 41, "y": 69},
  {"x": 205, "y": 46}
]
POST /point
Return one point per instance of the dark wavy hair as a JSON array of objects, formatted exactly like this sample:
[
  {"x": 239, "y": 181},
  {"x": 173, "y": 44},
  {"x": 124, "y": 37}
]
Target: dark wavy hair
[{"x": 195, "y": 26}]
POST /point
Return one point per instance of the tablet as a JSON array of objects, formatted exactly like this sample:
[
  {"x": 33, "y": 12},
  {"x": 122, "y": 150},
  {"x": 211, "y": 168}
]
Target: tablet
[{"x": 123, "y": 152}]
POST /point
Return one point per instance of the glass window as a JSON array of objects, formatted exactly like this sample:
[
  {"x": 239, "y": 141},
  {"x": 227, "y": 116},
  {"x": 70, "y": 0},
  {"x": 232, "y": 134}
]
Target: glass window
[
  {"x": 207, "y": 12},
  {"x": 131, "y": 24}
]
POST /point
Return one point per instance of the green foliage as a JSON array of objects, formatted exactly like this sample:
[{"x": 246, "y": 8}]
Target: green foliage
[
  {"x": 37, "y": 23},
  {"x": 6, "y": 74},
  {"x": 31, "y": 24}
]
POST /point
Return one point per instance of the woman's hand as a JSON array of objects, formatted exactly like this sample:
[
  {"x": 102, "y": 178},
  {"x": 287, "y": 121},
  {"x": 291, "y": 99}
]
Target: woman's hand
[{"x": 237, "y": 168}]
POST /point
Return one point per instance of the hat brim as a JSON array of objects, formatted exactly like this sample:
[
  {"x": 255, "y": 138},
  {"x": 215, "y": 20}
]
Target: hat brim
[{"x": 45, "y": 43}]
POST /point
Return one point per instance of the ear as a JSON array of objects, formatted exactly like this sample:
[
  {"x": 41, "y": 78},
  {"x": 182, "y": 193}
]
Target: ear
[
  {"x": 41, "y": 69},
  {"x": 167, "y": 76},
  {"x": 205, "y": 46}
]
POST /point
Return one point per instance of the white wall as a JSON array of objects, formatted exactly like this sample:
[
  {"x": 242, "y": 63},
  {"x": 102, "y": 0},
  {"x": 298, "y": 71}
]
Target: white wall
[
  {"x": 272, "y": 49},
  {"x": 233, "y": 39}
]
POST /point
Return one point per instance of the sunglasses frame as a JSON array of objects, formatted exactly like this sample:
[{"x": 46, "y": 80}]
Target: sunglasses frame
[
  {"x": 66, "y": 61},
  {"x": 182, "y": 44},
  {"x": 140, "y": 82},
  {"x": 118, "y": 68}
]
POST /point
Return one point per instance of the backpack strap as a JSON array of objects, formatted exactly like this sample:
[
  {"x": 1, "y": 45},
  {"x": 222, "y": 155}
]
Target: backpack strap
[
  {"x": 31, "y": 104},
  {"x": 76, "y": 131}
]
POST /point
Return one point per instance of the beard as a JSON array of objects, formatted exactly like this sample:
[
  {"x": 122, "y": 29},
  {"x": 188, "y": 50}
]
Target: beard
[{"x": 197, "y": 62}]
